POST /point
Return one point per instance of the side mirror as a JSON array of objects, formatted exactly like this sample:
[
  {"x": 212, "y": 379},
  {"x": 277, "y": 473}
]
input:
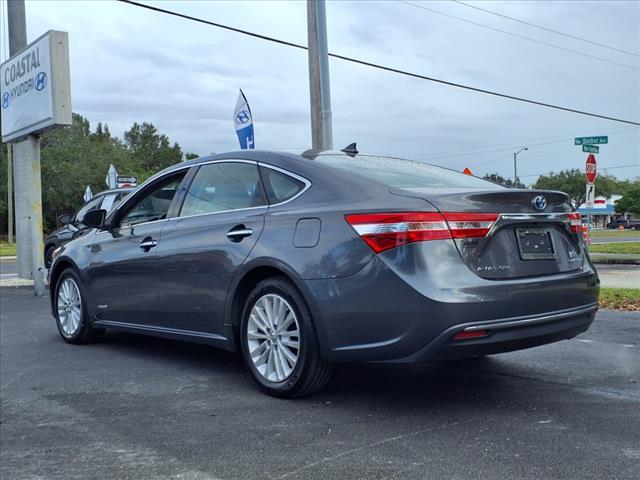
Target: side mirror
[
  {"x": 94, "y": 218},
  {"x": 65, "y": 219}
]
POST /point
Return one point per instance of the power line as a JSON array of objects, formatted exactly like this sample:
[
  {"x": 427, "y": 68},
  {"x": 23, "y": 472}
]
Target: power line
[
  {"x": 575, "y": 37},
  {"x": 512, "y": 145},
  {"x": 553, "y": 154},
  {"x": 517, "y": 35},
  {"x": 378, "y": 66}
]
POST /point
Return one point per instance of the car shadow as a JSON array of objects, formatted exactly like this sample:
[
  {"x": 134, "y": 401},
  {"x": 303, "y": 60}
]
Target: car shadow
[{"x": 455, "y": 384}]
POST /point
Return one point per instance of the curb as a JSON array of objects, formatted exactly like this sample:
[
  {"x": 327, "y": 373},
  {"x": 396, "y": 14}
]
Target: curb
[{"x": 615, "y": 258}]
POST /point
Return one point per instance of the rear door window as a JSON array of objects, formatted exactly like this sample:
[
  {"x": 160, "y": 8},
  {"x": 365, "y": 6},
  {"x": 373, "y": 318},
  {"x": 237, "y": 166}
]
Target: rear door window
[{"x": 220, "y": 187}]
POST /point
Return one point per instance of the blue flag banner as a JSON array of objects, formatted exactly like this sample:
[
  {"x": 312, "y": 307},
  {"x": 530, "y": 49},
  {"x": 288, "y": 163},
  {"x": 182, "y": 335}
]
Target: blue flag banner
[{"x": 243, "y": 122}]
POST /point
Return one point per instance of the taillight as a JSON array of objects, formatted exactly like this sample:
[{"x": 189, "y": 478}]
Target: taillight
[
  {"x": 576, "y": 223},
  {"x": 383, "y": 231},
  {"x": 467, "y": 225}
]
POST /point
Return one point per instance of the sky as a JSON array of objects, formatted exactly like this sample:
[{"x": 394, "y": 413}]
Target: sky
[{"x": 129, "y": 64}]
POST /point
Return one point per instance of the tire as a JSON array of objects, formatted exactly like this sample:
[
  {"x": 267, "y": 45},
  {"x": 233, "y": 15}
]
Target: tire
[
  {"x": 73, "y": 323},
  {"x": 48, "y": 255},
  {"x": 309, "y": 373}
]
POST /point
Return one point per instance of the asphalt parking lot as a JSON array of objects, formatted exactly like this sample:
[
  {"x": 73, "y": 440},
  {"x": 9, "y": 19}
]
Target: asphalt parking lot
[{"x": 133, "y": 407}]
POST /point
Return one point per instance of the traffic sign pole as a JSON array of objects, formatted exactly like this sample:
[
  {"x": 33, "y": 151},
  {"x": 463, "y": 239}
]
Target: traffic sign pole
[{"x": 26, "y": 172}]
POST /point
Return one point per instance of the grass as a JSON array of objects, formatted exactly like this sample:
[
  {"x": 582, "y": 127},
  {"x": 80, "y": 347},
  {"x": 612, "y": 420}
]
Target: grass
[
  {"x": 620, "y": 299},
  {"x": 614, "y": 233},
  {"x": 7, "y": 249},
  {"x": 623, "y": 247}
]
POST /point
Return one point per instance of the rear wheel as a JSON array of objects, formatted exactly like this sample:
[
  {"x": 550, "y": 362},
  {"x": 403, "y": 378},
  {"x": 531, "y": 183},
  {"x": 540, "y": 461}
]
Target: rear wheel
[
  {"x": 279, "y": 342},
  {"x": 70, "y": 310}
]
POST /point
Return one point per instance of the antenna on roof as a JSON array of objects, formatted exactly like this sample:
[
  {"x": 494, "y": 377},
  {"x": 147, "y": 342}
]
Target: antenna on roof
[{"x": 350, "y": 150}]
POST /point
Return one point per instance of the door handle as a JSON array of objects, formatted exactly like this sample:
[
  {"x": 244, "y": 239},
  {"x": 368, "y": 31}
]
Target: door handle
[
  {"x": 238, "y": 233},
  {"x": 147, "y": 244}
]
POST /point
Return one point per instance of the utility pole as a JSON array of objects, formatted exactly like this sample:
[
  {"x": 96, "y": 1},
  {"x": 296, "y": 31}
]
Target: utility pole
[
  {"x": 26, "y": 175},
  {"x": 515, "y": 165},
  {"x": 319, "y": 84}
]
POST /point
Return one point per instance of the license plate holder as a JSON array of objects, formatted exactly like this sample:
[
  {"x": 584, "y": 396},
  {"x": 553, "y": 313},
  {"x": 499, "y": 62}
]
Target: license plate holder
[{"x": 535, "y": 244}]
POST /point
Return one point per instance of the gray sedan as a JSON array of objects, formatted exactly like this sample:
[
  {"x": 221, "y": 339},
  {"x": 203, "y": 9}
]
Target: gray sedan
[{"x": 302, "y": 262}]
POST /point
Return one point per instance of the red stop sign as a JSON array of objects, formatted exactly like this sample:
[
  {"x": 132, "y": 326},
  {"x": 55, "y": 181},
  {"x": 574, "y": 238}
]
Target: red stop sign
[{"x": 590, "y": 170}]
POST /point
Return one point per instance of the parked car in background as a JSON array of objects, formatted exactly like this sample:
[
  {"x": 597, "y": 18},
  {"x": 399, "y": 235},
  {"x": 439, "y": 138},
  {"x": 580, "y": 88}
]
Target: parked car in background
[
  {"x": 302, "y": 262},
  {"x": 626, "y": 223},
  {"x": 70, "y": 225}
]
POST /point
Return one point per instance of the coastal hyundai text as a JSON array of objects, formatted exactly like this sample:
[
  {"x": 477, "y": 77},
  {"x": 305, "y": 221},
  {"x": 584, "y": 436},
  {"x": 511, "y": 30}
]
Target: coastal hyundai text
[{"x": 303, "y": 262}]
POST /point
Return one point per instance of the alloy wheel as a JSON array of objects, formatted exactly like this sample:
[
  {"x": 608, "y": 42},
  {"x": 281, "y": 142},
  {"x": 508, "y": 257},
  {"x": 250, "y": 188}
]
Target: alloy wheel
[
  {"x": 273, "y": 337},
  {"x": 69, "y": 306}
]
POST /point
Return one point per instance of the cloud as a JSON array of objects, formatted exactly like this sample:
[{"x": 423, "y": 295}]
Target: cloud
[{"x": 129, "y": 65}]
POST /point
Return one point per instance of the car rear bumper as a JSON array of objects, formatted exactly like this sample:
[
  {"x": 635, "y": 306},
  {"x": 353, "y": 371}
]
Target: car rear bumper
[
  {"x": 506, "y": 335},
  {"x": 385, "y": 314}
]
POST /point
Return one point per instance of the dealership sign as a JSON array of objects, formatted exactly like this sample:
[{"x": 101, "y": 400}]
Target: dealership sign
[{"x": 35, "y": 89}]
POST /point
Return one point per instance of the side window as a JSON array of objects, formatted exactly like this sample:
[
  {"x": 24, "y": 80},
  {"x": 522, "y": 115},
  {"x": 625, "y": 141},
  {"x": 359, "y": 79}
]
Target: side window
[
  {"x": 219, "y": 187},
  {"x": 279, "y": 186},
  {"x": 92, "y": 204},
  {"x": 155, "y": 205}
]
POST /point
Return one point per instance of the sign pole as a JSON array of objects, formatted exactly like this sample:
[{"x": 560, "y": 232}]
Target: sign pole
[
  {"x": 27, "y": 179},
  {"x": 10, "y": 193}
]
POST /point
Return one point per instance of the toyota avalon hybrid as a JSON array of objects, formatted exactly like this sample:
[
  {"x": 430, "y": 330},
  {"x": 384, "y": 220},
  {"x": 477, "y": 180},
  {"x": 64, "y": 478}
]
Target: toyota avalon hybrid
[{"x": 300, "y": 263}]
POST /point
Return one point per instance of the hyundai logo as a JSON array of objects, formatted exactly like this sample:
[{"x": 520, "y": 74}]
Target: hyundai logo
[
  {"x": 5, "y": 100},
  {"x": 540, "y": 203},
  {"x": 242, "y": 117},
  {"x": 41, "y": 81}
]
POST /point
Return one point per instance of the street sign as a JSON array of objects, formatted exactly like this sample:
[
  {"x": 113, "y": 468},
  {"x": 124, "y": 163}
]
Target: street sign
[
  {"x": 127, "y": 181},
  {"x": 591, "y": 140},
  {"x": 590, "y": 196},
  {"x": 590, "y": 149},
  {"x": 590, "y": 168},
  {"x": 35, "y": 91},
  {"x": 112, "y": 177}
]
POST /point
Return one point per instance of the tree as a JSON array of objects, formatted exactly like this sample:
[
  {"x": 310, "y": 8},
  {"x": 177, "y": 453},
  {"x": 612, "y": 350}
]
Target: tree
[
  {"x": 630, "y": 202},
  {"x": 573, "y": 182},
  {"x": 151, "y": 150},
  {"x": 507, "y": 182},
  {"x": 190, "y": 155}
]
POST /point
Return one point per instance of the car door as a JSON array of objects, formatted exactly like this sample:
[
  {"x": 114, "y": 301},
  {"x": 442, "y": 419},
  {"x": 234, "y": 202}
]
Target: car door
[
  {"x": 121, "y": 272},
  {"x": 219, "y": 222}
]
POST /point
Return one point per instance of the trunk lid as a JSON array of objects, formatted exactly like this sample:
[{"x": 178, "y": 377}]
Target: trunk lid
[{"x": 530, "y": 237}]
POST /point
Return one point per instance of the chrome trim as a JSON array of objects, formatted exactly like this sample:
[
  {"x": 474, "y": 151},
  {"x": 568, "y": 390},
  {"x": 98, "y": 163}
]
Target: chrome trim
[
  {"x": 155, "y": 329},
  {"x": 216, "y": 213},
  {"x": 527, "y": 217},
  {"x": 240, "y": 233},
  {"x": 304, "y": 180},
  {"x": 148, "y": 244},
  {"x": 533, "y": 320}
]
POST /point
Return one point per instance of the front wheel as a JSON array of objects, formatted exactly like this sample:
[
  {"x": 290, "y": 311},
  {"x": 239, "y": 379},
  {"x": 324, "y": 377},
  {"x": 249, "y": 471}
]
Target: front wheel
[
  {"x": 72, "y": 318},
  {"x": 279, "y": 342}
]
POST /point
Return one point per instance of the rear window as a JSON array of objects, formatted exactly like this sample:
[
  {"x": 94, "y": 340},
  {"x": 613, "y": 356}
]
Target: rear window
[{"x": 399, "y": 173}]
